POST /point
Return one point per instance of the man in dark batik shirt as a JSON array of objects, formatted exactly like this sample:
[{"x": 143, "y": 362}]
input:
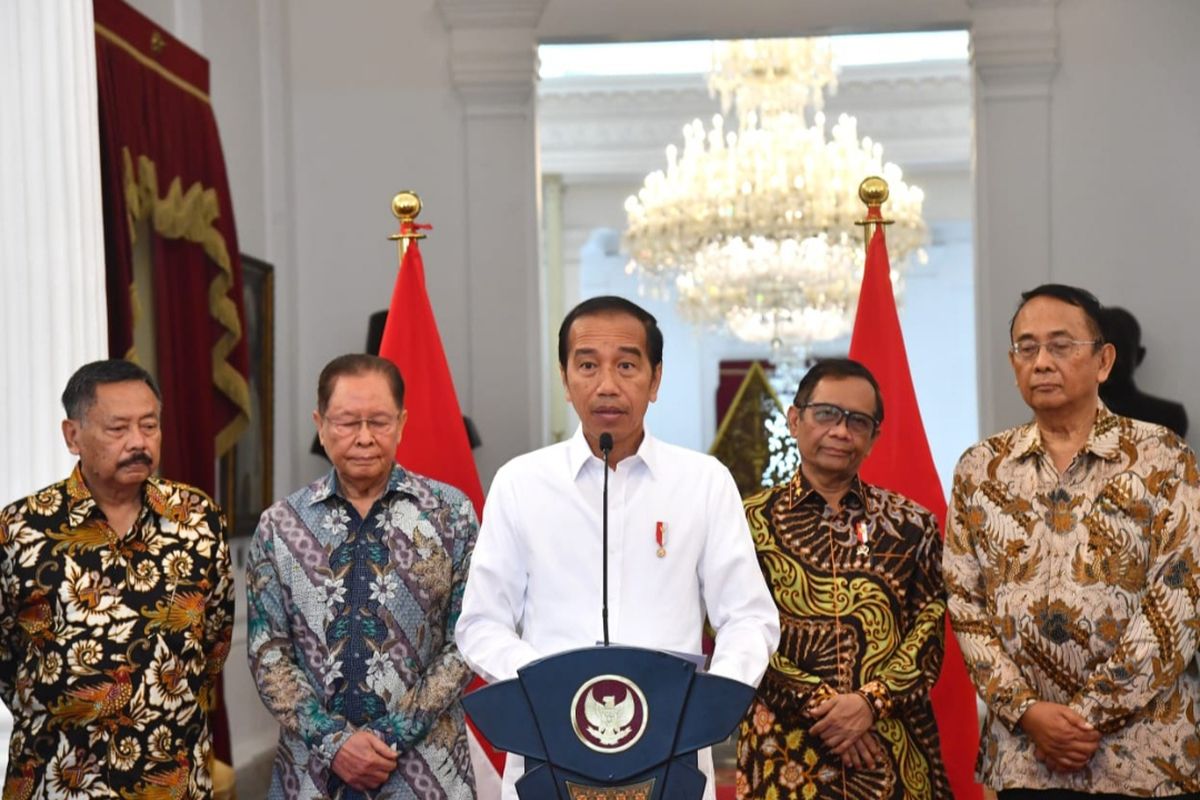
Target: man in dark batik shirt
[
  {"x": 843, "y": 710},
  {"x": 116, "y": 607}
]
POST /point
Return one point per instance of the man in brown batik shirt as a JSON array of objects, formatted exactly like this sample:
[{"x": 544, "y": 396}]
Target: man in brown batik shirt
[{"x": 1071, "y": 564}]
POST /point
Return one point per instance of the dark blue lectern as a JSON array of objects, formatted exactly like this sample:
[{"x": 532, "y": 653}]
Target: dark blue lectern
[{"x": 609, "y": 723}]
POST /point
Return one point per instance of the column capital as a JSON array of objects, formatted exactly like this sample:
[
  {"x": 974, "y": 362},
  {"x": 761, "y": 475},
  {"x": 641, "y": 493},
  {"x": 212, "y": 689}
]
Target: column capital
[
  {"x": 493, "y": 53},
  {"x": 1014, "y": 47}
]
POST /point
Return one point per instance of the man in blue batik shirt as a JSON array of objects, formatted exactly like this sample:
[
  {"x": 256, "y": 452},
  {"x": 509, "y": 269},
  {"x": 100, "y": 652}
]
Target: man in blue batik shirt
[{"x": 354, "y": 586}]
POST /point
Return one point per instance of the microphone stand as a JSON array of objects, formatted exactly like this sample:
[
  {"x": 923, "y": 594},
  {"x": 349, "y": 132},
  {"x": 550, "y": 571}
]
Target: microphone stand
[{"x": 606, "y": 444}]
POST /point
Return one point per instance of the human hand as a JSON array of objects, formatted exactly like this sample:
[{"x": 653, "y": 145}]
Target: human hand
[
  {"x": 865, "y": 752},
  {"x": 1062, "y": 739},
  {"x": 364, "y": 762},
  {"x": 841, "y": 720}
]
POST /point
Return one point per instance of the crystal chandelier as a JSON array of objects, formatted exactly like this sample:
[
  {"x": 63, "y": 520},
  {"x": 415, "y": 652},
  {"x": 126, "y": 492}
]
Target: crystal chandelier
[{"x": 755, "y": 228}]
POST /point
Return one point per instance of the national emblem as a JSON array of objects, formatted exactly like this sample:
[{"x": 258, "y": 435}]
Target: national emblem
[{"x": 609, "y": 713}]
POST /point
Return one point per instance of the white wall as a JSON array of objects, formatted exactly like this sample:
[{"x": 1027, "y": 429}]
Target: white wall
[
  {"x": 373, "y": 112},
  {"x": 1125, "y": 130}
]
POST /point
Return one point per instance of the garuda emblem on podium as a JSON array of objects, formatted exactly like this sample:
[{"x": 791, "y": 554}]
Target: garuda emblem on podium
[{"x": 609, "y": 713}]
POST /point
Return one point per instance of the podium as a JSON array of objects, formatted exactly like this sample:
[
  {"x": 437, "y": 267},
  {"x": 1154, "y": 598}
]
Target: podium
[{"x": 609, "y": 723}]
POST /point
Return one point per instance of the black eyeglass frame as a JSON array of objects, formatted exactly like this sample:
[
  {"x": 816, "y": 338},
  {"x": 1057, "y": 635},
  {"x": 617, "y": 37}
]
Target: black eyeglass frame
[{"x": 846, "y": 416}]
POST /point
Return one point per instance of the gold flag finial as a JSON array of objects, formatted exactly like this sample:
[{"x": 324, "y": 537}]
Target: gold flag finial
[
  {"x": 406, "y": 206},
  {"x": 873, "y": 191}
]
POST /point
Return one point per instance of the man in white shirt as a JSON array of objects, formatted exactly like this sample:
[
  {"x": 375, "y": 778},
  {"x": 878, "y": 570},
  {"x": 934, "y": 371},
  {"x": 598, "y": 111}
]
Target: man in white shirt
[{"x": 678, "y": 545}]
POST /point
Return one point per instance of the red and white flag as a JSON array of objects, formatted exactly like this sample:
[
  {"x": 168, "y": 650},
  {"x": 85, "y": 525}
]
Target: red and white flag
[
  {"x": 901, "y": 461},
  {"x": 435, "y": 441}
]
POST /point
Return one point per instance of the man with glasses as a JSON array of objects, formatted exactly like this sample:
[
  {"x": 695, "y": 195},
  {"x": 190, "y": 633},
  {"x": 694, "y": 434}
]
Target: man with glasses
[
  {"x": 843, "y": 710},
  {"x": 1071, "y": 560},
  {"x": 354, "y": 585}
]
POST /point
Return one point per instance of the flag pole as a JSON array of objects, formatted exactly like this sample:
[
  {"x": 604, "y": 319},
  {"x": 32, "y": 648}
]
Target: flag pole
[
  {"x": 873, "y": 191},
  {"x": 406, "y": 206}
]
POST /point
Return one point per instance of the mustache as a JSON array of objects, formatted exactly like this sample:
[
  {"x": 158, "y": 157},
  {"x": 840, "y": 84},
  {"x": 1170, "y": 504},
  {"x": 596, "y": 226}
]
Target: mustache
[{"x": 140, "y": 457}]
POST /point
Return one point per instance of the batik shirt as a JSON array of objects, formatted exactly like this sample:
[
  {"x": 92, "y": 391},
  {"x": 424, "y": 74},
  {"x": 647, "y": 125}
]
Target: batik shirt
[
  {"x": 111, "y": 643},
  {"x": 352, "y": 628},
  {"x": 1080, "y": 588},
  {"x": 861, "y": 609}
]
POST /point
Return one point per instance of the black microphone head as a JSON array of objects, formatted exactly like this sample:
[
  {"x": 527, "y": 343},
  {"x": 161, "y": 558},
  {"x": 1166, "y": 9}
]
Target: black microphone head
[{"x": 606, "y": 443}]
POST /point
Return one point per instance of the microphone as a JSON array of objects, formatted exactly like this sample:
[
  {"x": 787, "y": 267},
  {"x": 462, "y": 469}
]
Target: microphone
[{"x": 606, "y": 445}]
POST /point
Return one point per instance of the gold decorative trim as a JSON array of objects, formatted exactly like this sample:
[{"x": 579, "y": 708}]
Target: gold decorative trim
[
  {"x": 189, "y": 215},
  {"x": 151, "y": 64},
  {"x": 632, "y": 791},
  {"x": 135, "y": 313}
]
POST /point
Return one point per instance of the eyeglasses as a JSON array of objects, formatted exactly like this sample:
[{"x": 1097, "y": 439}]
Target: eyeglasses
[
  {"x": 378, "y": 426},
  {"x": 1059, "y": 349},
  {"x": 827, "y": 415}
]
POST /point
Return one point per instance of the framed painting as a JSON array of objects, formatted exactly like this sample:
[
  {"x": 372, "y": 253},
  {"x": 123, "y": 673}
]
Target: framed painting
[{"x": 246, "y": 470}]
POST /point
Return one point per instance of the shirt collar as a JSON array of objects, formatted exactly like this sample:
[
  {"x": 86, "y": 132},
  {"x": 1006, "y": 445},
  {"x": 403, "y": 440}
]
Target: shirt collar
[
  {"x": 1104, "y": 441},
  {"x": 325, "y": 487},
  {"x": 800, "y": 491},
  {"x": 579, "y": 452},
  {"x": 154, "y": 494}
]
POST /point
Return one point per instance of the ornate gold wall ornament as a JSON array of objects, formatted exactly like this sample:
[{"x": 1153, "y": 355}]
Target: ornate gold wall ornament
[
  {"x": 189, "y": 216},
  {"x": 743, "y": 443}
]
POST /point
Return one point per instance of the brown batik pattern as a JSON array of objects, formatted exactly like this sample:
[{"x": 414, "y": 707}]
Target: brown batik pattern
[{"x": 1081, "y": 589}]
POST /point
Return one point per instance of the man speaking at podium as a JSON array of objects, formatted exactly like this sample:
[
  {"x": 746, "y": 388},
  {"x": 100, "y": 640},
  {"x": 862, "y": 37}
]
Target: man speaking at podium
[{"x": 678, "y": 544}]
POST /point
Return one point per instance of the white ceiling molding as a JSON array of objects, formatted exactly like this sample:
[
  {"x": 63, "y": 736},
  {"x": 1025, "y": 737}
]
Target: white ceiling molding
[{"x": 615, "y": 128}]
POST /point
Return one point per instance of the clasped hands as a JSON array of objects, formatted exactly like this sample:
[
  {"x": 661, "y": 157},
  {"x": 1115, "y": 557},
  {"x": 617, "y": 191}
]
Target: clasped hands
[
  {"x": 1063, "y": 740},
  {"x": 364, "y": 761},
  {"x": 844, "y": 723}
]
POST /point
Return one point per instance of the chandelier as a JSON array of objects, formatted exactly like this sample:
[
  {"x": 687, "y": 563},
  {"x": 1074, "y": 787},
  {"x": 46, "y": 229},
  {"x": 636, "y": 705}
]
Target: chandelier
[{"x": 754, "y": 228}]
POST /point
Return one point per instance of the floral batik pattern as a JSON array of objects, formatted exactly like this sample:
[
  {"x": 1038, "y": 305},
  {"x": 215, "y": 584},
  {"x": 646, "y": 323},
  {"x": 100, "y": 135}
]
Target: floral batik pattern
[
  {"x": 1081, "y": 588},
  {"x": 862, "y": 609},
  {"x": 111, "y": 644},
  {"x": 351, "y": 627}
]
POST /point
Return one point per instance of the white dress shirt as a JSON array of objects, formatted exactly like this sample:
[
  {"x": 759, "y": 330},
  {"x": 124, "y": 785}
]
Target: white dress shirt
[{"x": 535, "y": 588}]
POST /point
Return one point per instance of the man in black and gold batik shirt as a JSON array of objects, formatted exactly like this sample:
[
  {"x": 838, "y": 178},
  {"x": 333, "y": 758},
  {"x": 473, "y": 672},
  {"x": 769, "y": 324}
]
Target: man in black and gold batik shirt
[
  {"x": 844, "y": 710},
  {"x": 116, "y": 608}
]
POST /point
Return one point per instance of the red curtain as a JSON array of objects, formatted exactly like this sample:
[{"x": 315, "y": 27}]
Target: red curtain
[
  {"x": 164, "y": 175},
  {"x": 162, "y": 163}
]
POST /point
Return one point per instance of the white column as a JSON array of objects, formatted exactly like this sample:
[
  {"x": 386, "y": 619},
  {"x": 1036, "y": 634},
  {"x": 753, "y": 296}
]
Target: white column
[
  {"x": 52, "y": 301},
  {"x": 52, "y": 295},
  {"x": 1014, "y": 54},
  {"x": 493, "y": 62}
]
